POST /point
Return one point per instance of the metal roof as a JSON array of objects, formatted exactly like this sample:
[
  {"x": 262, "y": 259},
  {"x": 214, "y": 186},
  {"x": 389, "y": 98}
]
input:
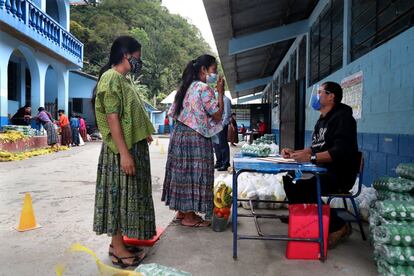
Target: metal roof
[{"x": 232, "y": 19}]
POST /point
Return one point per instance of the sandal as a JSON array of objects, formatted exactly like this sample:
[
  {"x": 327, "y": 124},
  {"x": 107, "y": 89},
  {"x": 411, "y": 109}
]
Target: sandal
[
  {"x": 198, "y": 224},
  {"x": 130, "y": 248},
  {"x": 119, "y": 260}
]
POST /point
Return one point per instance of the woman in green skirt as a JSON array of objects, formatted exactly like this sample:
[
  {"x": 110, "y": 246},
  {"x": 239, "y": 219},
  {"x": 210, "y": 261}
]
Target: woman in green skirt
[{"x": 123, "y": 201}]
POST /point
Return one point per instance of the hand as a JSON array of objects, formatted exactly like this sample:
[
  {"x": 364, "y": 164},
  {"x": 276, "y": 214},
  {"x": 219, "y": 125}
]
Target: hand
[
  {"x": 286, "y": 153},
  {"x": 301, "y": 156},
  {"x": 149, "y": 140},
  {"x": 220, "y": 85},
  {"x": 127, "y": 164}
]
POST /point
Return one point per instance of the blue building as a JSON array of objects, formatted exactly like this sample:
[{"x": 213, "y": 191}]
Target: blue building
[
  {"x": 285, "y": 51},
  {"x": 37, "y": 51}
]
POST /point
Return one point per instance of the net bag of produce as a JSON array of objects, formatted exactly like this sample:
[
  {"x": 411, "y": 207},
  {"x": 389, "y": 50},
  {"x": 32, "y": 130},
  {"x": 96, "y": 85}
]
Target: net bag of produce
[
  {"x": 394, "y": 234},
  {"x": 406, "y": 170},
  {"x": 396, "y": 184},
  {"x": 396, "y": 210},
  {"x": 390, "y": 195}
]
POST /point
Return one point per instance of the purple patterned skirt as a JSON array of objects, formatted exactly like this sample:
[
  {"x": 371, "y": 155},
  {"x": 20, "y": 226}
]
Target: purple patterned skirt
[{"x": 189, "y": 174}]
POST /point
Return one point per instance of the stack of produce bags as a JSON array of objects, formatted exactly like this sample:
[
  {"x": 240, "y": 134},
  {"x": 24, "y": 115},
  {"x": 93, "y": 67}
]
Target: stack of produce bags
[{"x": 392, "y": 222}]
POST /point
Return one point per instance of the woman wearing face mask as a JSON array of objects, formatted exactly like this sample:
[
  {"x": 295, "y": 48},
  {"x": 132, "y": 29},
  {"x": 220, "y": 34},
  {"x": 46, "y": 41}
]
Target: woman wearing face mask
[
  {"x": 123, "y": 202},
  {"x": 189, "y": 176}
]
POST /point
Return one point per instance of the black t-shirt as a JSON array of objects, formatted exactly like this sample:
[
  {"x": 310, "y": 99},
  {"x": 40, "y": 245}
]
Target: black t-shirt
[{"x": 337, "y": 134}]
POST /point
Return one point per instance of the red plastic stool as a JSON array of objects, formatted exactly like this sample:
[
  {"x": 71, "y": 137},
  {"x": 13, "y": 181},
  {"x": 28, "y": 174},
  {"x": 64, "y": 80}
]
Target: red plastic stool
[
  {"x": 147, "y": 243},
  {"x": 303, "y": 223}
]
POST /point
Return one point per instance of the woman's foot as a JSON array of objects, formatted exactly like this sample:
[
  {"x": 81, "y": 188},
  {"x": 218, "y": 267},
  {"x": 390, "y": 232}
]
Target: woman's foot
[
  {"x": 123, "y": 258},
  {"x": 130, "y": 260},
  {"x": 130, "y": 248},
  {"x": 192, "y": 220}
]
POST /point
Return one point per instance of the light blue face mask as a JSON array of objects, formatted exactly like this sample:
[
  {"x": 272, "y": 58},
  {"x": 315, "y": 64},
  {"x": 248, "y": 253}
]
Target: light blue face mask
[
  {"x": 316, "y": 102},
  {"x": 212, "y": 79}
]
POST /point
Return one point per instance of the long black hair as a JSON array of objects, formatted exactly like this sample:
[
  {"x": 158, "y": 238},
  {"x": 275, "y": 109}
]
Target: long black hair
[
  {"x": 121, "y": 46},
  {"x": 190, "y": 74}
]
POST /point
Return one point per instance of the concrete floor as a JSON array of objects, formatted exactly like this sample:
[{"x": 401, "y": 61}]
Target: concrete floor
[{"x": 62, "y": 186}]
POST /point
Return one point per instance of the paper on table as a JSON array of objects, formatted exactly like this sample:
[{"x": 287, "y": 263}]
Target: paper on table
[{"x": 277, "y": 159}]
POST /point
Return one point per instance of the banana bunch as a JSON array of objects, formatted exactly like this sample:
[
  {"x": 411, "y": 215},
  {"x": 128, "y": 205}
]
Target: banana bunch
[
  {"x": 12, "y": 136},
  {"x": 222, "y": 196}
]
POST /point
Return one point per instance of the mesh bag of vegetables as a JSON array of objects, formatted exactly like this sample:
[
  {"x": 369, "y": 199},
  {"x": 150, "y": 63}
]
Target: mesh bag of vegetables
[
  {"x": 395, "y": 184},
  {"x": 406, "y": 170}
]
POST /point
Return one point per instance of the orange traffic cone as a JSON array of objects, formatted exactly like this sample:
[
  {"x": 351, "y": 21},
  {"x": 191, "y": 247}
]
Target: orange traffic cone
[{"x": 27, "y": 217}]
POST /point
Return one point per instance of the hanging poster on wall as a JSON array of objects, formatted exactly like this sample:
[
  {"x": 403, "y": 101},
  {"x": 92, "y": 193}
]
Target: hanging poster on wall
[{"x": 352, "y": 93}]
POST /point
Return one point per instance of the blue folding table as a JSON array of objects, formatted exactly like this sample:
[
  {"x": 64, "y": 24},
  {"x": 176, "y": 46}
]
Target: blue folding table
[{"x": 242, "y": 164}]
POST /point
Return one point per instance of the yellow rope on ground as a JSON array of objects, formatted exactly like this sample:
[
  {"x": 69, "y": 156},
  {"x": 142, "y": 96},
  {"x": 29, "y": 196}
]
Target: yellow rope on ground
[{"x": 104, "y": 269}]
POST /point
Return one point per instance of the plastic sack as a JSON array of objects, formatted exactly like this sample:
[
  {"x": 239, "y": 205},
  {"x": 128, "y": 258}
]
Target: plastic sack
[
  {"x": 396, "y": 210},
  {"x": 402, "y": 235},
  {"x": 389, "y": 195},
  {"x": 405, "y": 170},
  {"x": 159, "y": 270},
  {"x": 395, "y": 184},
  {"x": 395, "y": 254},
  {"x": 384, "y": 268}
]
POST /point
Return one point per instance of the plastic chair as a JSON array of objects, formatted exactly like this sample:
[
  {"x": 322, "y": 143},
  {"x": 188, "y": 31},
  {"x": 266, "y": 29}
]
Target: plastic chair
[{"x": 344, "y": 212}]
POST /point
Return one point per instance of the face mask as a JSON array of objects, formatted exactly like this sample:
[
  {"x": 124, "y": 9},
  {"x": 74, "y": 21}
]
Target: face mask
[
  {"x": 211, "y": 79},
  {"x": 136, "y": 66},
  {"x": 315, "y": 102}
]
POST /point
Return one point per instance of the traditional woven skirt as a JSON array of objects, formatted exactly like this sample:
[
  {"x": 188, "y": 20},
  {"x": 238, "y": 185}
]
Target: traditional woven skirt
[
  {"x": 66, "y": 136},
  {"x": 189, "y": 173},
  {"x": 124, "y": 202},
  {"x": 83, "y": 134},
  {"x": 52, "y": 137}
]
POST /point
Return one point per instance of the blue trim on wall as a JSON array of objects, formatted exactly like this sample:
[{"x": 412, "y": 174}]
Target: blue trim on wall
[
  {"x": 4, "y": 121},
  {"x": 382, "y": 153}
]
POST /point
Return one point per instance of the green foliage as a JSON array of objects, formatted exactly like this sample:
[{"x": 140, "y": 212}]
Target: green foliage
[{"x": 168, "y": 41}]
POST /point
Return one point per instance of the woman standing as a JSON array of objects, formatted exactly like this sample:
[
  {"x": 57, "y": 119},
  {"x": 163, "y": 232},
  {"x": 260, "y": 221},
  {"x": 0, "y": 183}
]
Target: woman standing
[
  {"x": 233, "y": 134},
  {"x": 82, "y": 128},
  {"x": 65, "y": 128},
  {"x": 46, "y": 120},
  {"x": 189, "y": 177},
  {"x": 123, "y": 201}
]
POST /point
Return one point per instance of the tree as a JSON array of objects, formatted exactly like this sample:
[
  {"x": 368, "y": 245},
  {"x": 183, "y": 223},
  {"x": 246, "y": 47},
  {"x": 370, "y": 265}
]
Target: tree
[{"x": 168, "y": 41}]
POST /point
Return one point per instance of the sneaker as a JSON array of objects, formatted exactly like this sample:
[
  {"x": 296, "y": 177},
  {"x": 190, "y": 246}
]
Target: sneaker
[{"x": 339, "y": 236}]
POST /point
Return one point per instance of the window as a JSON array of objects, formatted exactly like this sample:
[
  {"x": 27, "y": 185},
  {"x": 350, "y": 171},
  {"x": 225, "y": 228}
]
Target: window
[
  {"x": 302, "y": 59},
  {"x": 376, "y": 21},
  {"x": 276, "y": 92},
  {"x": 293, "y": 66},
  {"x": 326, "y": 41},
  {"x": 77, "y": 105}
]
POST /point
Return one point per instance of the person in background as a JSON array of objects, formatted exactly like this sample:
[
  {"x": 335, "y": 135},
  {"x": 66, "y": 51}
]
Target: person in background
[
  {"x": 65, "y": 128},
  {"x": 22, "y": 116},
  {"x": 243, "y": 129},
  {"x": 45, "y": 119},
  {"x": 189, "y": 173},
  {"x": 166, "y": 125},
  {"x": 233, "y": 134},
  {"x": 262, "y": 128},
  {"x": 123, "y": 200},
  {"x": 74, "y": 125},
  {"x": 82, "y": 128},
  {"x": 221, "y": 145},
  {"x": 334, "y": 147}
]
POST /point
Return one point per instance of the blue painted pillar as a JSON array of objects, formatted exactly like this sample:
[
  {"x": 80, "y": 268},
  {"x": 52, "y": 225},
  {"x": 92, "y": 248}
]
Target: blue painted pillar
[
  {"x": 347, "y": 33},
  {"x": 5, "y": 52},
  {"x": 3, "y": 93},
  {"x": 38, "y": 87},
  {"x": 63, "y": 89}
]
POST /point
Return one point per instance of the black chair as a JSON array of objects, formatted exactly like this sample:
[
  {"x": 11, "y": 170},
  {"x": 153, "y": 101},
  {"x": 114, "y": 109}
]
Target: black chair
[{"x": 344, "y": 212}]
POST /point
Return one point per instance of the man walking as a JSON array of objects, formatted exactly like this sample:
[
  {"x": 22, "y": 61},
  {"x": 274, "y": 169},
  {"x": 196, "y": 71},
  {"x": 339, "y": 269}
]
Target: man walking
[{"x": 221, "y": 145}]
